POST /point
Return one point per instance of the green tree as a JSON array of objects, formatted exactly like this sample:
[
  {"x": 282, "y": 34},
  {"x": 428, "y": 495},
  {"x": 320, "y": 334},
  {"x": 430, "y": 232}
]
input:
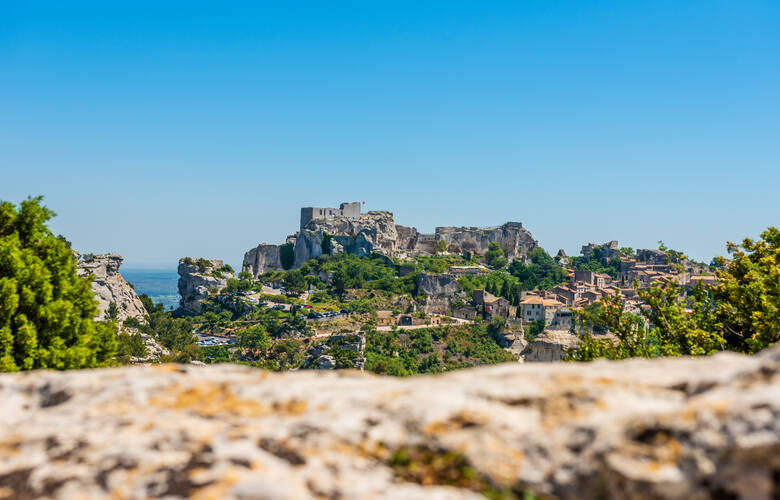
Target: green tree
[
  {"x": 680, "y": 326},
  {"x": 254, "y": 338},
  {"x": 327, "y": 244},
  {"x": 113, "y": 311},
  {"x": 747, "y": 299},
  {"x": 294, "y": 281},
  {"x": 541, "y": 271},
  {"x": 46, "y": 310},
  {"x": 440, "y": 246},
  {"x": 630, "y": 333},
  {"x": 534, "y": 329},
  {"x": 129, "y": 346},
  {"x": 287, "y": 255},
  {"x": 495, "y": 256}
]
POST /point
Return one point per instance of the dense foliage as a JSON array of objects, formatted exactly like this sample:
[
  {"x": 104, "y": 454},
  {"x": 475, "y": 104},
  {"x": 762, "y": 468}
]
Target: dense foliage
[
  {"x": 287, "y": 255},
  {"x": 495, "y": 256},
  {"x": 741, "y": 313},
  {"x": 542, "y": 272},
  {"x": 46, "y": 310},
  {"x": 431, "y": 350},
  {"x": 373, "y": 272}
]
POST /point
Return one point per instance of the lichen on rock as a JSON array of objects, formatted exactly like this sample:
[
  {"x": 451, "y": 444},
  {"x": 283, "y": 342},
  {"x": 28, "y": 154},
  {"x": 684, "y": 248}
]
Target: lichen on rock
[{"x": 667, "y": 428}]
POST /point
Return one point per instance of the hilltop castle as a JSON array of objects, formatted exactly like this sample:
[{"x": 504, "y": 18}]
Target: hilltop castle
[
  {"x": 347, "y": 210},
  {"x": 358, "y": 233}
]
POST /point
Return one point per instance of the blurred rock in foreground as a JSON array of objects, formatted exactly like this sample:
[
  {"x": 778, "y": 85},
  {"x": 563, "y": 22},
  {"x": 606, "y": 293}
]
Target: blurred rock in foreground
[{"x": 672, "y": 428}]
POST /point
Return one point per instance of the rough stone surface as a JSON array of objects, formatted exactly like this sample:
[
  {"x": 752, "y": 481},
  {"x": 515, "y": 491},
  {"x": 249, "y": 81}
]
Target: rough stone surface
[
  {"x": 550, "y": 345},
  {"x": 262, "y": 258},
  {"x": 109, "y": 286},
  {"x": 438, "y": 285},
  {"x": 373, "y": 231},
  {"x": 363, "y": 234},
  {"x": 512, "y": 237},
  {"x": 195, "y": 283},
  {"x": 672, "y": 428}
]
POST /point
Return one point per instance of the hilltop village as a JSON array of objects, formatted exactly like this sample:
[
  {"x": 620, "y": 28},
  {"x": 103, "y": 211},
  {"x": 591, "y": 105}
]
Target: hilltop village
[
  {"x": 356, "y": 290},
  {"x": 347, "y": 282}
]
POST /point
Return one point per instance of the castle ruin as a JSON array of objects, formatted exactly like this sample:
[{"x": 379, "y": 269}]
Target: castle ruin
[{"x": 348, "y": 210}]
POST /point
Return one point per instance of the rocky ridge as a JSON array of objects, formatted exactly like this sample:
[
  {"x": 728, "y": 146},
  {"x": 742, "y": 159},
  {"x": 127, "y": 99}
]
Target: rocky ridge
[
  {"x": 669, "y": 428},
  {"x": 109, "y": 286},
  {"x": 377, "y": 232},
  {"x": 196, "y": 279}
]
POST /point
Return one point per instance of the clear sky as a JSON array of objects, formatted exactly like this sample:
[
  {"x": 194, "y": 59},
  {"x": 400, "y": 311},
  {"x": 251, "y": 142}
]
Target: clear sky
[{"x": 192, "y": 129}]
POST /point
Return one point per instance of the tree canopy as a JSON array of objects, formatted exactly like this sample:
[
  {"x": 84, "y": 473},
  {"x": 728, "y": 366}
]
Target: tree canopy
[{"x": 47, "y": 312}]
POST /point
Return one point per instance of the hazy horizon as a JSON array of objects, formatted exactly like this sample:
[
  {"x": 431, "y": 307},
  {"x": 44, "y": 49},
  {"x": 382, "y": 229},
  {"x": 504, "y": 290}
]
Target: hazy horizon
[{"x": 161, "y": 131}]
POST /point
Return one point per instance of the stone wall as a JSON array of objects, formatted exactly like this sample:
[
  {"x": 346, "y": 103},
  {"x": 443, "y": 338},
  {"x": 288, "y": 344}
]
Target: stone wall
[{"x": 669, "y": 428}]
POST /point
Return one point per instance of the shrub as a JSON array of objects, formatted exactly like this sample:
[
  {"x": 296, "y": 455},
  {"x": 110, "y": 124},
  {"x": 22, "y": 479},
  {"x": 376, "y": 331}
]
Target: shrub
[{"x": 46, "y": 310}]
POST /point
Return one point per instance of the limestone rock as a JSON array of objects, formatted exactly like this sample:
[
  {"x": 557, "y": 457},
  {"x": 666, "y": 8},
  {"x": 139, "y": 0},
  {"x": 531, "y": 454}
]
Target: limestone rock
[
  {"x": 325, "y": 362},
  {"x": 512, "y": 237},
  {"x": 363, "y": 234},
  {"x": 672, "y": 428},
  {"x": 373, "y": 231},
  {"x": 437, "y": 285},
  {"x": 550, "y": 345},
  {"x": 262, "y": 258},
  {"x": 109, "y": 286},
  {"x": 196, "y": 281}
]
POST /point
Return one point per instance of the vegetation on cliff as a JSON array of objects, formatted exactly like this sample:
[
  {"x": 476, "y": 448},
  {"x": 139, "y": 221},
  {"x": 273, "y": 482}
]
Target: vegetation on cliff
[{"x": 46, "y": 310}]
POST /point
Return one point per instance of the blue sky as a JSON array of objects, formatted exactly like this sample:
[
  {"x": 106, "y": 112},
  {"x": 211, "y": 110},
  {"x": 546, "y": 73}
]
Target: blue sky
[{"x": 200, "y": 129}]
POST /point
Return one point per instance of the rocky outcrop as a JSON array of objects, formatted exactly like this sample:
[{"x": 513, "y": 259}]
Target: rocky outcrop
[
  {"x": 362, "y": 234},
  {"x": 197, "y": 278},
  {"x": 512, "y": 237},
  {"x": 440, "y": 291},
  {"x": 374, "y": 231},
  {"x": 262, "y": 258},
  {"x": 550, "y": 345},
  {"x": 438, "y": 285},
  {"x": 110, "y": 287},
  {"x": 671, "y": 428}
]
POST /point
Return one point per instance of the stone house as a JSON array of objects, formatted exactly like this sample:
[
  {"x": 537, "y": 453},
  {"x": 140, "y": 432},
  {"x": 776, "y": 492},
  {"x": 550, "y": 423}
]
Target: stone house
[
  {"x": 536, "y": 308},
  {"x": 465, "y": 312},
  {"x": 566, "y": 293},
  {"x": 585, "y": 276},
  {"x": 602, "y": 280},
  {"x": 491, "y": 306},
  {"x": 563, "y": 319}
]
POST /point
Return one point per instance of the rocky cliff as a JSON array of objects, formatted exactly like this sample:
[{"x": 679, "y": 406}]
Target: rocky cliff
[
  {"x": 439, "y": 285},
  {"x": 262, "y": 258},
  {"x": 671, "y": 428},
  {"x": 196, "y": 279},
  {"x": 110, "y": 287},
  {"x": 378, "y": 232},
  {"x": 512, "y": 237}
]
